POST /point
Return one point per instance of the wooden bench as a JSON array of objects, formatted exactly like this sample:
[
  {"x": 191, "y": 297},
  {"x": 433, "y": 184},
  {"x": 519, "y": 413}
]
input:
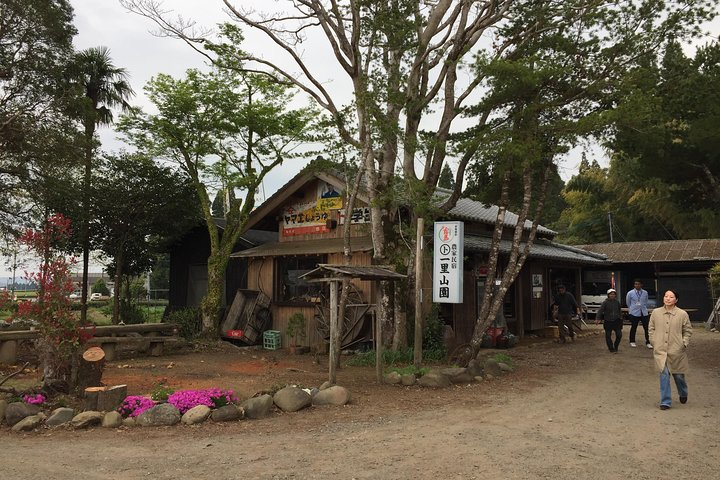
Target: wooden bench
[{"x": 154, "y": 334}]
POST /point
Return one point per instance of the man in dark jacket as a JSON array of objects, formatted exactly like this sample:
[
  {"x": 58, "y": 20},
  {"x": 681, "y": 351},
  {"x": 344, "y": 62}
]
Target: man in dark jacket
[
  {"x": 611, "y": 316},
  {"x": 567, "y": 306}
]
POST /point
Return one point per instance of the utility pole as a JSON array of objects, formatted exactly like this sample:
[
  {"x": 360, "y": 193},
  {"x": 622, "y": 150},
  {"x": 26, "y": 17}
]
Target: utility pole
[{"x": 610, "y": 226}]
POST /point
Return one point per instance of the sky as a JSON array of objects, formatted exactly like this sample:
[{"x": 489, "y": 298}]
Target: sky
[{"x": 144, "y": 55}]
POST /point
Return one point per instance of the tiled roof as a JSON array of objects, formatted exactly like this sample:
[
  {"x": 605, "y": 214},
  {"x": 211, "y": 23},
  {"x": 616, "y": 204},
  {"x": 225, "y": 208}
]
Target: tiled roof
[
  {"x": 660, "y": 251},
  {"x": 540, "y": 249}
]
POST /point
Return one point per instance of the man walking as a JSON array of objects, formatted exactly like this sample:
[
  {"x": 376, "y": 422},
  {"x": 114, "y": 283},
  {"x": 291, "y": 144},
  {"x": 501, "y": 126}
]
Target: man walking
[
  {"x": 610, "y": 314},
  {"x": 566, "y": 306},
  {"x": 637, "y": 302}
]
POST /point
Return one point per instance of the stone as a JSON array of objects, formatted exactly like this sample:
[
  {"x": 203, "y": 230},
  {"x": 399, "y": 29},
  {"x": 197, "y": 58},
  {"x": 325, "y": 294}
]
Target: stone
[
  {"x": 474, "y": 368},
  {"x": 87, "y": 419},
  {"x": 457, "y": 375},
  {"x": 505, "y": 367},
  {"x": 326, "y": 384},
  {"x": 112, "y": 420},
  {"x": 408, "y": 379},
  {"x": 227, "y": 413},
  {"x": 393, "y": 378},
  {"x": 292, "y": 399},
  {"x": 129, "y": 422},
  {"x": 3, "y": 407},
  {"x": 335, "y": 395},
  {"x": 434, "y": 379},
  {"x": 258, "y": 407},
  {"x": 195, "y": 415},
  {"x": 60, "y": 416},
  {"x": 492, "y": 367},
  {"x": 28, "y": 424},
  {"x": 161, "y": 415},
  {"x": 16, "y": 411}
]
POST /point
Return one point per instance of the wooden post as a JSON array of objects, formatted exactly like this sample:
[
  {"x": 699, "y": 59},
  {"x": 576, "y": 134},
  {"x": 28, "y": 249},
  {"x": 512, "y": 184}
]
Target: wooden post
[
  {"x": 417, "y": 350},
  {"x": 90, "y": 370},
  {"x": 334, "y": 336},
  {"x": 378, "y": 348}
]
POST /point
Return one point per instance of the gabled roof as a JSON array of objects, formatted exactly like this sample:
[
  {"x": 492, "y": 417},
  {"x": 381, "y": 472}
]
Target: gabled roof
[
  {"x": 541, "y": 248},
  {"x": 659, "y": 251},
  {"x": 465, "y": 208}
]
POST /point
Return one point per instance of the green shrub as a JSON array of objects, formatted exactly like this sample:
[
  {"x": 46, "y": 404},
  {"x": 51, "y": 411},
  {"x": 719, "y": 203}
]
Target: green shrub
[
  {"x": 410, "y": 370},
  {"x": 131, "y": 314},
  {"x": 161, "y": 392},
  {"x": 100, "y": 287},
  {"x": 188, "y": 322},
  {"x": 433, "y": 336},
  {"x": 503, "y": 358}
]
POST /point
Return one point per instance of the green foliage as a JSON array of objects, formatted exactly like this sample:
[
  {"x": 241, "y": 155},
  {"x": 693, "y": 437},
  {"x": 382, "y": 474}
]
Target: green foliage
[
  {"x": 409, "y": 370},
  {"x": 665, "y": 169},
  {"x": 503, "y": 358},
  {"x": 188, "y": 322},
  {"x": 447, "y": 179},
  {"x": 296, "y": 327},
  {"x": 100, "y": 287},
  {"x": 392, "y": 358},
  {"x": 131, "y": 313},
  {"x": 714, "y": 280},
  {"x": 161, "y": 392},
  {"x": 433, "y": 336}
]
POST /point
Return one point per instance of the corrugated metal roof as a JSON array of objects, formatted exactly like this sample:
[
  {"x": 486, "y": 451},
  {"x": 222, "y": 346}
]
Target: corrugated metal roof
[
  {"x": 364, "y": 272},
  {"x": 305, "y": 247},
  {"x": 659, "y": 251},
  {"x": 467, "y": 209},
  {"x": 540, "y": 249}
]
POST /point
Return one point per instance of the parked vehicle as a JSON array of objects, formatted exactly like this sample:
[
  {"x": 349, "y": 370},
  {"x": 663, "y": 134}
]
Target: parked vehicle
[{"x": 95, "y": 296}]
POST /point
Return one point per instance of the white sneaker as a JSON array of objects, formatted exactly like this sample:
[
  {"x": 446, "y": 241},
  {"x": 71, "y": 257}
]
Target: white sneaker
[
  {"x": 633, "y": 344},
  {"x": 648, "y": 345}
]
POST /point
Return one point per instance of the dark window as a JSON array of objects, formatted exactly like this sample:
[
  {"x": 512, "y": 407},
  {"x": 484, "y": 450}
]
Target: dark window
[{"x": 293, "y": 289}]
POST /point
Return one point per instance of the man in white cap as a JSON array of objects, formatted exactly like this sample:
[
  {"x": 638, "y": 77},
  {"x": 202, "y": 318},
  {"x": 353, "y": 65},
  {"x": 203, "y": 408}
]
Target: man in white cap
[{"x": 611, "y": 316}]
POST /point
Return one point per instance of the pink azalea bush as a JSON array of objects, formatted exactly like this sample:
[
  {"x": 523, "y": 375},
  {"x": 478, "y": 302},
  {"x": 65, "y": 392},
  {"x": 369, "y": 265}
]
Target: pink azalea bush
[
  {"x": 134, "y": 405},
  {"x": 37, "y": 399},
  {"x": 184, "y": 400}
]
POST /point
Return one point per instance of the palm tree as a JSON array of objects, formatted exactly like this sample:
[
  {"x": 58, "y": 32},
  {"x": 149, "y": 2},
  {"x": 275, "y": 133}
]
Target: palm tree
[{"x": 105, "y": 87}]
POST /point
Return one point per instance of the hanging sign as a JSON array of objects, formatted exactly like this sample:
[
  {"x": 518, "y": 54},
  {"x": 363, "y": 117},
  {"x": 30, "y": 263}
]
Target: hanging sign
[
  {"x": 305, "y": 218},
  {"x": 448, "y": 262},
  {"x": 358, "y": 215},
  {"x": 329, "y": 197}
]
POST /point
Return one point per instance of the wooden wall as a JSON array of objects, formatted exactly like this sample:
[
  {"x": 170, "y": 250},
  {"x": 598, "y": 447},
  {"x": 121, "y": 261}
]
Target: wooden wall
[
  {"x": 260, "y": 277},
  {"x": 309, "y": 195}
]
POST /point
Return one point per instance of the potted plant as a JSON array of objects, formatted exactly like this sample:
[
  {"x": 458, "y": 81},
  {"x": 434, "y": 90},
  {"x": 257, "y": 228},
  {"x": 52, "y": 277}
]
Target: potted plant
[{"x": 295, "y": 329}]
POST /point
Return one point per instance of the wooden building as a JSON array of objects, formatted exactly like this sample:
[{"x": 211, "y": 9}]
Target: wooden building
[
  {"x": 681, "y": 265},
  {"x": 307, "y": 216}
]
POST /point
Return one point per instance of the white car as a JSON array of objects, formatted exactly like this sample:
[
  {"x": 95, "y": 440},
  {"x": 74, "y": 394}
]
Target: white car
[
  {"x": 75, "y": 296},
  {"x": 95, "y": 296}
]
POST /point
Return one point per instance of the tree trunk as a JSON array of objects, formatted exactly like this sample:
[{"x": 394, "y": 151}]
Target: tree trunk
[
  {"x": 85, "y": 219},
  {"x": 212, "y": 302},
  {"x": 90, "y": 369}
]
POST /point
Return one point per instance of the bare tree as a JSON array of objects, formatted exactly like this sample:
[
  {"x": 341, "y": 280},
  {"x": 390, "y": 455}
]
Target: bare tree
[{"x": 416, "y": 66}]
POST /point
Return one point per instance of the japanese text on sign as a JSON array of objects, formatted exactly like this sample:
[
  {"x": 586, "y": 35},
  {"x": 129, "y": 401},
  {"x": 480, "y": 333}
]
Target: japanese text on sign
[{"x": 448, "y": 262}]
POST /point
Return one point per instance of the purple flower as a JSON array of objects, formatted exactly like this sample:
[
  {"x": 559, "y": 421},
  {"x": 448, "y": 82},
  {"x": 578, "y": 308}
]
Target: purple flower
[
  {"x": 134, "y": 405},
  {"x": 184, "y": 400},
  {"x": 37, "y": 399}
]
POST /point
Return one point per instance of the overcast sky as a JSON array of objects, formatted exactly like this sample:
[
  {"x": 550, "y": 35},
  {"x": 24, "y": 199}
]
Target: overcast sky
[{"x": 143, "y": 55}]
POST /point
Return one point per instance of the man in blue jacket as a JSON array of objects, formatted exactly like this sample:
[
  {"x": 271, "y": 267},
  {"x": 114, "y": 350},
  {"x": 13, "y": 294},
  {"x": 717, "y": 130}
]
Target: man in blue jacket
[{"x": 637, "y": 302}]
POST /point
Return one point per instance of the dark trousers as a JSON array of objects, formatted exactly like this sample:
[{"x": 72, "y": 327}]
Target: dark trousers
[
  {"x": 611, "y": 327},
  {"x": 565, "y": 321},
  {"x": 634, "y": 324}
]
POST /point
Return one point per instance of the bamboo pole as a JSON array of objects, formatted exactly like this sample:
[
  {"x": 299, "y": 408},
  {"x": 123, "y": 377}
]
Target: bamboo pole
[{"x": 417, "y": 350}]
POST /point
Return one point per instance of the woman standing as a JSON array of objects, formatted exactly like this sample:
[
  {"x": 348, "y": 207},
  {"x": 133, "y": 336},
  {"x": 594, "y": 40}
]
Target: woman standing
[{"x": 670, "y": 332}]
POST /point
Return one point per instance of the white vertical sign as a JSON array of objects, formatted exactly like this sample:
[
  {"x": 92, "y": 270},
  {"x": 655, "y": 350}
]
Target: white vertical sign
[{"x": 448, "y": 262}]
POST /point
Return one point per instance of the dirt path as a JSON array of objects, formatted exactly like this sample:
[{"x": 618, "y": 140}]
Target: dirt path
[{"x": 569, "y": 412}]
